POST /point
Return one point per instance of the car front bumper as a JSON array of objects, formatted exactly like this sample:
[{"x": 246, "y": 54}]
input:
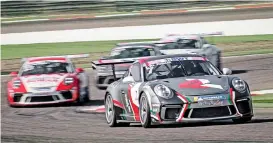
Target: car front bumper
[
  {"x": 41, "y": 98},
  {"x": 171, "y": 114}
]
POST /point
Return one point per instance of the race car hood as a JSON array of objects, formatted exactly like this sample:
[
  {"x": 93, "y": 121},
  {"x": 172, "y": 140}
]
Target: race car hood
[
  {"x": 198, "y": 85},
  {"x": 34, "y": 82},
  {"x": 181, "y": 51}
]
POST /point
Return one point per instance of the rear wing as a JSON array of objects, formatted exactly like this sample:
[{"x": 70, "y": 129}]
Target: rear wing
[
  {"x": 64, "y": 56},
  {"x": 112, "y": 62}
]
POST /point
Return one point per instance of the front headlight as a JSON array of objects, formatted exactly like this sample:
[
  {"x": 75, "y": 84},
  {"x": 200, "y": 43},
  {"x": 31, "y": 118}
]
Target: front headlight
[
  {"x": 68, "y": 80},
  {"x": 163, "y": 91},
  {"x": 16, "y": 83},
  {"x": 239, "y": 85}
]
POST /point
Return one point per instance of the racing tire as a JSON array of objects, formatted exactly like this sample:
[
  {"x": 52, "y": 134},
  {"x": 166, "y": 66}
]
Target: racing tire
[
  {"x": 144, "y": 111},
  {"x": 111, "y": 114},
  {"x": 242, "y": 120}
]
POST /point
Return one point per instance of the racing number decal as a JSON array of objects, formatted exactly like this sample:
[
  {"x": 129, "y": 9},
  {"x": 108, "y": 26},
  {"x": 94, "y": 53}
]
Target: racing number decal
[{"x": 133, "y": 94}]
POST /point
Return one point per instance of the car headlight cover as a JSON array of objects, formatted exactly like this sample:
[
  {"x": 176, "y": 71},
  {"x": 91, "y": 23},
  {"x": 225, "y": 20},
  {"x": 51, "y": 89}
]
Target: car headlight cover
[
  {"x": 239, "y": 85},
  {"x": 163, "y": 91},
  {"x": 16, "y": 83},
  {"x": 68, "y": 80}
]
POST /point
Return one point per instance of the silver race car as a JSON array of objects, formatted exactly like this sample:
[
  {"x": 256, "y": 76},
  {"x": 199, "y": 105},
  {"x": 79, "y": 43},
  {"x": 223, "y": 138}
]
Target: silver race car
[
  {"x": 191, "y": 44},
  {"x": 174, "y": 89},
  {"x": 123, "y": 52}
]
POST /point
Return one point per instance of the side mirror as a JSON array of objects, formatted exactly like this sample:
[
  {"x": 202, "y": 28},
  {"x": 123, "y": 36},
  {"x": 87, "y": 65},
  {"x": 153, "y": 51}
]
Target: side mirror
[
  {"x": 128, "y": 79},
  {"x": 13, "y": 74},
  {"x": 227, "y": 71},
  {"x": 79, "y": 70}
]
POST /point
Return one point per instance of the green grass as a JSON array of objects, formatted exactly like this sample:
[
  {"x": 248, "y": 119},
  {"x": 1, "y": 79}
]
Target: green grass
[
  {"x": 262, "y": 105},
  {"x": 28, "y": 50},
  {"x": 240, "y": 39},
  {"x": 263, "y": 101},
  {"x": 267, "y": 98}
]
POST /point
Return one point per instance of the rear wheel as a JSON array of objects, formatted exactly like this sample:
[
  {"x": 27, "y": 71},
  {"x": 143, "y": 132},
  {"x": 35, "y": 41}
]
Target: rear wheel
[
  {"x": 242, "y": 120},
  {"x": 111, "y": 114},
  {"x": 144, "y": 111}
]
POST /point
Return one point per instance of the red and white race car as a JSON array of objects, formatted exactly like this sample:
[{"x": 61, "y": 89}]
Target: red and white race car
[{"x": 48, "y": 80}]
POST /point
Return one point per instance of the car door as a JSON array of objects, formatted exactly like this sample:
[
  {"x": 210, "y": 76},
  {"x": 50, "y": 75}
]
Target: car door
[{"x": 130, "y": 91}]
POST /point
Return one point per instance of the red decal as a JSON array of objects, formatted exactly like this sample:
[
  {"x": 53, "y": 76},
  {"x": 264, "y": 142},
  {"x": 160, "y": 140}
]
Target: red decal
[
  {"x": 183, "y": 113},
  {"x": 180, "y": 96},
  {"x": 134, "y": 107},
  {"x": 142, "y": 60},
  {"x": 118, "y": 104},
  {"x": 231, "y": 94},
  {"x": 192, "y": 84},
  {"x": 63, "y": 86},
  {"x": 158, "y": 116}
]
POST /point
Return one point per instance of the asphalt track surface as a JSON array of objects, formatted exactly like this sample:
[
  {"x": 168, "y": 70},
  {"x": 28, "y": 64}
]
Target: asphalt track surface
[
  {"x": 226, "y": 15},
  {"x": 62, "y": 124}
]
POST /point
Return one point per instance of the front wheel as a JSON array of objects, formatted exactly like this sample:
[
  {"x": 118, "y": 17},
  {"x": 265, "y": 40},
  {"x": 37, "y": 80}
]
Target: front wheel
[
  {"x": 242, "y": 120},
  {"x": 144, "y": 111}
]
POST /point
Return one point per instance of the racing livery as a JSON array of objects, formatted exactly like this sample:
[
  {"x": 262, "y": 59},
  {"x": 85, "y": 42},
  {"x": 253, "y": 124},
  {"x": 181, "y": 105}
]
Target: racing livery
[
  {"x": 123, "y": 52},
  {"x": 175, "y": 89},
  {"x": 47, "y": 80}
]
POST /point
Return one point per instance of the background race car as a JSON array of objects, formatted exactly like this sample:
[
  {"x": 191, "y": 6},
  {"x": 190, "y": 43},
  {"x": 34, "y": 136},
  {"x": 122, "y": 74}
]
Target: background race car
[
  {"x": 48, "y": 80},
  {"x": 174, "y": 89},
  {"x": 191, "y": 44},
  {"x": 123, "y": 52}
]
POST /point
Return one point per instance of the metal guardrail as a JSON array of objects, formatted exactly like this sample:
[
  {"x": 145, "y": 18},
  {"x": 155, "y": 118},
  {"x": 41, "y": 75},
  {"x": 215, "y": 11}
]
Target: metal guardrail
[{"x": 19, "y": 8}]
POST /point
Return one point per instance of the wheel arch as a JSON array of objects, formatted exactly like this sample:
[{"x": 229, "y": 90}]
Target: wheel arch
[{"x": 147, "y": 91}]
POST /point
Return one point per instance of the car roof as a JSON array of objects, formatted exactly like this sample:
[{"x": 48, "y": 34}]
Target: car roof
[{"x": 166, "y": 56}]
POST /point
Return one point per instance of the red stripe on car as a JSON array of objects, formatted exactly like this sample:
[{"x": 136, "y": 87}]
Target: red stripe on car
[
  {"x": 134, "y": 107},
  {"x": 118, "y": 104}
]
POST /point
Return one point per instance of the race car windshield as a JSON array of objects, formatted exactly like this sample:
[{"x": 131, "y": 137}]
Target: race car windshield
[
  {"x": 131, "y": 53},
  {"x": 46, "y": 67},
  {"x": 181, "y": 44},
  {"x": 173, "y": 68}
]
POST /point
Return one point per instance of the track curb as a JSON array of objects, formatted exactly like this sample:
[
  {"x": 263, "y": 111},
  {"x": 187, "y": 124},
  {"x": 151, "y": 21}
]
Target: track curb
[{"x": 148, "y": 12}]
